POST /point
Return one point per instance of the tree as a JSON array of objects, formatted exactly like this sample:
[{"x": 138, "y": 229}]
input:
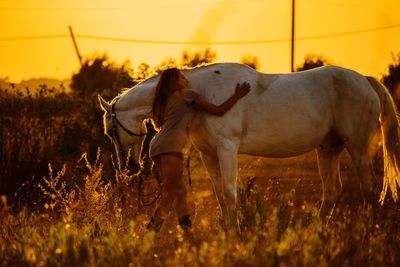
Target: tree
[
  {"x": 392, "y": 79},
  {"x": 188, "y": 60},
  {"x": 143, "y": 71},
  {"x": 166, "y": 64},
  {"x": 251, "y": 61},
  {"x": 312, "y": 61},
  {"x": 198, "y": 58},
  {"x": 99, "y": 74}
]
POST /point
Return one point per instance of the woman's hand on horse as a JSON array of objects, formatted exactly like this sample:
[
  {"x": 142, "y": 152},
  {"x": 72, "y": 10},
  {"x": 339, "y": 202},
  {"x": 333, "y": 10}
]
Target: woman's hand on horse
[{"x": 242, "y": 89}]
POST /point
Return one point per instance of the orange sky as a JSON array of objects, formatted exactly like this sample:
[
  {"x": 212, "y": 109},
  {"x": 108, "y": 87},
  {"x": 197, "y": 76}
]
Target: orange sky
[{"x": 195, "y": 21}]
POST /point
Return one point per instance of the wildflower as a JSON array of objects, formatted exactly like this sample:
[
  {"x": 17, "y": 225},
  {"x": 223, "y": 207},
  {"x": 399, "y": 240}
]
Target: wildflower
[
  {"x": 205, "y": 223},
  {"x": 58, "y": 251},
  {"x": 30, "y": 255}
]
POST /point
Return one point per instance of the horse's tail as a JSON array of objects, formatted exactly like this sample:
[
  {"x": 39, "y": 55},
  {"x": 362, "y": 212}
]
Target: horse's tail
[{"x": 390, "y": 140}]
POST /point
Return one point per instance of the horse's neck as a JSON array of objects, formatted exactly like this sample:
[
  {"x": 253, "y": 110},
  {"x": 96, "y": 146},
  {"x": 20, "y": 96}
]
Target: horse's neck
[{"x": 138, "y": 97}]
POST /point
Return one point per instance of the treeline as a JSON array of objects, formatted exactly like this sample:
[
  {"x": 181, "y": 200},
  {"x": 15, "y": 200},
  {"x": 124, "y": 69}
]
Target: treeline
[{"x": 51, "y": 126}]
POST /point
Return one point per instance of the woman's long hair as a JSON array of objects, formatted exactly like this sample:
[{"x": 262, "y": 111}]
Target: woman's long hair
[{"x": 166, "y": 86}]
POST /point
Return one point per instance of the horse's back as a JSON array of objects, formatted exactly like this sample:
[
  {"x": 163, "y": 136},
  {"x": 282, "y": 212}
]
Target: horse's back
[
  {"x": 217, "y": 82},
  {"x": 279, "y": 117},
  {"x": 284, "y": 114},
  {"x": 289, "y": 114}
]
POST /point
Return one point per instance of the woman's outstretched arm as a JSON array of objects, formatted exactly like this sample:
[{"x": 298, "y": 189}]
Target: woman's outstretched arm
[{"x": 241, "y": 91}]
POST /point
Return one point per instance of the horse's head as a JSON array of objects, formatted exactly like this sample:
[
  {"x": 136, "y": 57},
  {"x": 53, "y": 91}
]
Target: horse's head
[{"x": 125, "y": 126}]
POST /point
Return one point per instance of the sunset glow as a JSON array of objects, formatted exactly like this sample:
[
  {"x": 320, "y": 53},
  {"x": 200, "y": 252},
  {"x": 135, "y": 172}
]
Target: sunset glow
[{"x": 356, "y": 34}]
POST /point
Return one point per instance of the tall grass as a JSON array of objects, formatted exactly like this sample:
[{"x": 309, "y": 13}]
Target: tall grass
[
  {"x": 91, "y": 227},
  {"x": 73, "y": 209},
  {"x": 43, "y": 128}
]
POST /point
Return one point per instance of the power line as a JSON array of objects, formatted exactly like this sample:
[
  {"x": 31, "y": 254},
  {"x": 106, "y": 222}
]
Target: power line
[
  {"x": 105, "y": 38},
  {"x": 135, "y": 6},
  {"x": 38, "y": 37},
  {"x": 146, "y": 41},
  {"x": 349, "y": 33},
  {"x": 348, "y": 4}
]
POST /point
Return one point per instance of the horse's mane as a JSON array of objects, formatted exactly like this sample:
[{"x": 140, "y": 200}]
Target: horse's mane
[{"x": 125, "y": 90}]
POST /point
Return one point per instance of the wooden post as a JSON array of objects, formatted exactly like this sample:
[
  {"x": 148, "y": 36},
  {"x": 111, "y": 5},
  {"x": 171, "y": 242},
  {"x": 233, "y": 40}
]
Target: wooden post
[
  {"x": 84, "y": 74},
  {"x": 293, "y": 28},
  {"x": 75, "y": 45}
]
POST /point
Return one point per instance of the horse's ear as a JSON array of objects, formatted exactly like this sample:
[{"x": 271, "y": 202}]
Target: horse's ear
[{"x": 104, "y": 104}]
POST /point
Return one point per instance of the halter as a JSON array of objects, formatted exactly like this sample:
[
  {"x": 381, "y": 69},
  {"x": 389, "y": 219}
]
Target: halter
[
  {"x": 114, "y": 130},
  {"x": 114, "y": 119}
]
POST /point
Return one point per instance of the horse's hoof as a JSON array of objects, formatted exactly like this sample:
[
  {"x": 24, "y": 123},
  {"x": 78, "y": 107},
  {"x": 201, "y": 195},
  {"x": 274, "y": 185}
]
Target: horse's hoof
[
  {"x": 185, "y": 221},
  {"x": 155, "y": 224}
]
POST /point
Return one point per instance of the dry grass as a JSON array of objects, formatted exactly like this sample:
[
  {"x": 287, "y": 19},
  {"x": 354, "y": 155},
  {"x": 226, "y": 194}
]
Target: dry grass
[{"x": 82, "y": 213}]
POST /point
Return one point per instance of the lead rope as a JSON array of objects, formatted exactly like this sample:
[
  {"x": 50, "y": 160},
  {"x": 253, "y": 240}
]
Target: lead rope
[
  {"x": 141, "y": 195},
  {"x": 188, "y": 170}
]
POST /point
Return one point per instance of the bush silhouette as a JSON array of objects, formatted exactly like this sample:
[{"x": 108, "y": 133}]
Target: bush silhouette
[
  {"x": 198, "y": 58},
  {"x": 101, "y": 75},
  {"x": 392, "y": 79},
  {"x": 251, "y": 61},
  {"x": 312, "y": 61}
]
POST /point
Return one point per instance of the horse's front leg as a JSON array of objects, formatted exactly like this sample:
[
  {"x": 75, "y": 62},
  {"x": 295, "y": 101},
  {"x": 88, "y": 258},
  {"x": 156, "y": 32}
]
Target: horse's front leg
[
  {"x": 211, "y": 163},
  {"x": 227, "y": 156}
]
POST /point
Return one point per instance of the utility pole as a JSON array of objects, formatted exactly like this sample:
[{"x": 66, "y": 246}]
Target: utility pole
[
  {"x": 293, "y": 28},
  {"x": 85, "y": 75},
  {"x": 75, "y": 45}
]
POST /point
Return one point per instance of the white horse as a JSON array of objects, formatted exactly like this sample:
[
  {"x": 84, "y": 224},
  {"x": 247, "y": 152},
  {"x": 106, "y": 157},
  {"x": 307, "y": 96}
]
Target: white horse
[{"x": 284, "y": 115}]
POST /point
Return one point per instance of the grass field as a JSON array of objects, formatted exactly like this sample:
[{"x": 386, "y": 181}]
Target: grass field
[
  {"x": 101, "y": 224},
  {"x": 79, "y": 211}
]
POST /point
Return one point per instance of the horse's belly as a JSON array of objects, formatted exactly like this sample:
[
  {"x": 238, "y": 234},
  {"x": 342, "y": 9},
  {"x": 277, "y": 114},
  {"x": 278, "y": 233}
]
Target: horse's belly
[
  {"x": 286, "y": 124},
  {"x": 285, "y": 136},
  {"x": 278, "y": 148}
]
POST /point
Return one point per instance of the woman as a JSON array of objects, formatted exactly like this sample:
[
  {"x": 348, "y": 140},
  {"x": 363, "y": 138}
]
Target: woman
[{"x": 173, "y": 109}]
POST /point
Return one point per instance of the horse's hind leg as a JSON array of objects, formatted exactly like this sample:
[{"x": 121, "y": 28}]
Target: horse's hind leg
[
  {"x": 362, "y": 149},
  {"x": 329, "y": 168},
  {"x": 363, "y": 161}
]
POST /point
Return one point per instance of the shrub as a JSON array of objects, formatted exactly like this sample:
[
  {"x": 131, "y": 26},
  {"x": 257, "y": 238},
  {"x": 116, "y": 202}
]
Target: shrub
[
  {"x": 312, "y": 61},
  {"x": 391, "y": 79},
  {"x": 99, "y": 74}
]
